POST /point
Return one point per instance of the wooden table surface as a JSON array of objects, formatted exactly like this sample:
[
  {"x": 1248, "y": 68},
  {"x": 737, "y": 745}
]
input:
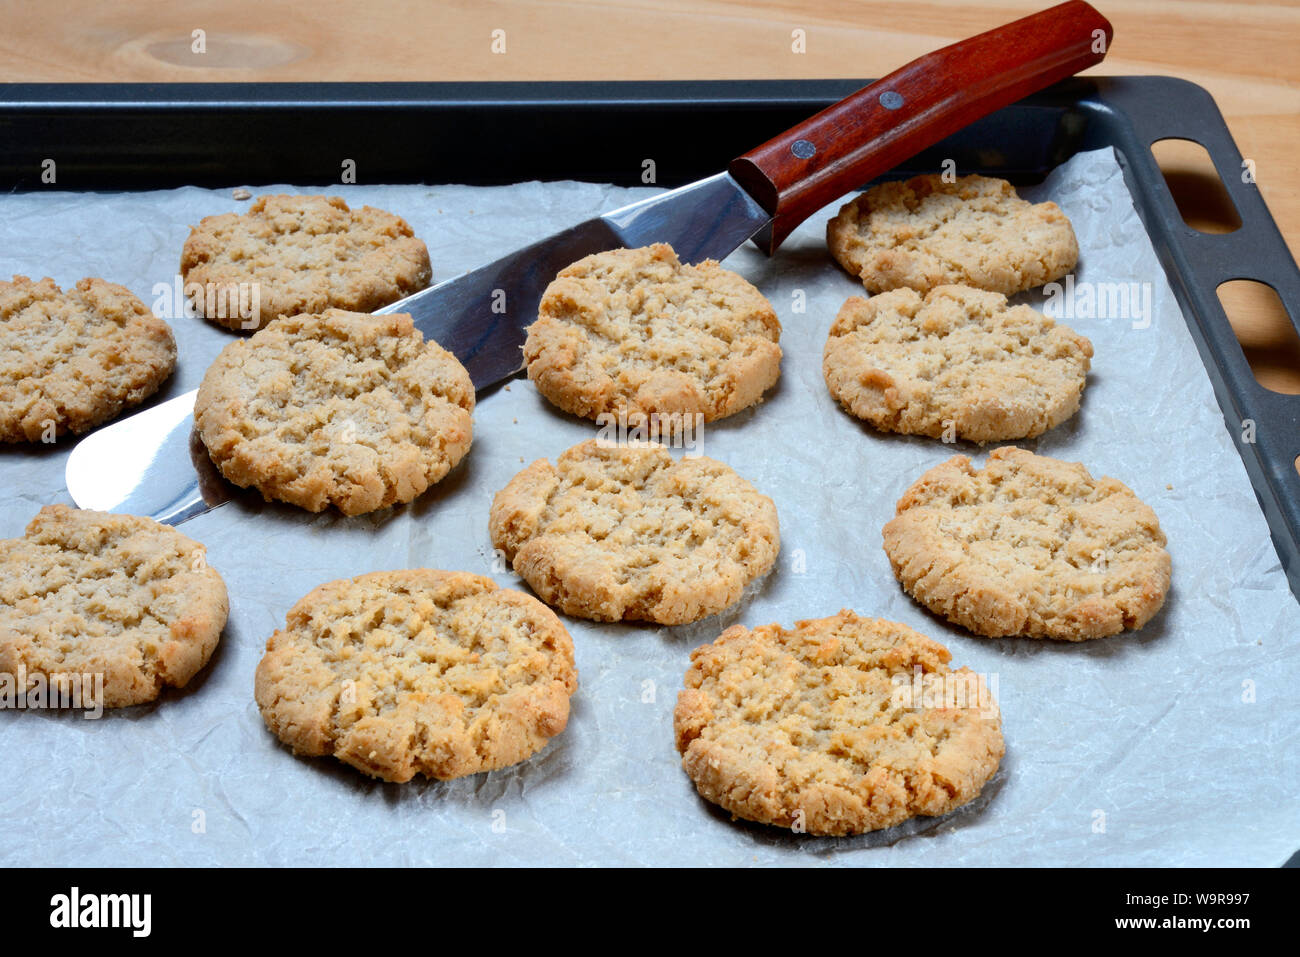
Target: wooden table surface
[{"x": 1243, "y": 52}]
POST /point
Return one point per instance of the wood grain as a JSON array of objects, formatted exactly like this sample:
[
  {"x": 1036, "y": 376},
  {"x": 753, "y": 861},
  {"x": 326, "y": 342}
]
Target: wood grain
[{"x": 1243, "y": 52}]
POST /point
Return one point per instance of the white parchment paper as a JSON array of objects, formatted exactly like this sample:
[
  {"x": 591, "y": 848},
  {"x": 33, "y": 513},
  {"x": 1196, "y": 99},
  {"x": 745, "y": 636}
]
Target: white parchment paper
[{"x": 1176, "y": 745}]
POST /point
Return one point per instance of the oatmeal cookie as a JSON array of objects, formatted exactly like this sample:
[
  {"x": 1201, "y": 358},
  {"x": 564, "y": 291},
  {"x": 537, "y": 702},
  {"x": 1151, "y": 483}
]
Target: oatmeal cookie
[
  {"x": 303, "y": 254},
  {"x": 837, "y": 726},
  {"x": 418, "y": 672},
  {"x": 70, "y": 361},
  {"x": 959, "y": 362},
  {"x": 631, "y": 534},
  {"x": 342, "y": 408},
  {"x": 975, "y": 231},
  {"x": 637, "y": 332},
  {"x": 93, "y": 593},
  {"x": 1029, "y": 545}
]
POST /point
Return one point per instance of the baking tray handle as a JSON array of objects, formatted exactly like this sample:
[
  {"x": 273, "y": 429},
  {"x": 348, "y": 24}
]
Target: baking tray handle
[{"x": 1265, "y": 425}]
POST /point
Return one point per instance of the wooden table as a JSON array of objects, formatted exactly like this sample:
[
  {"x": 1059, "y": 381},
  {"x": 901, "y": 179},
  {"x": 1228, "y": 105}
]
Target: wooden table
[{"x": 1243, "y": 52}]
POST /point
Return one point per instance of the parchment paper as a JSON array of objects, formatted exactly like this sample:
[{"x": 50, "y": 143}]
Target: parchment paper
[{"x": 1176, "y": 745}]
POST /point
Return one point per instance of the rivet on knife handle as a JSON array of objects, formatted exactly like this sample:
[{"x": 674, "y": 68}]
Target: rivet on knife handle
[{"x": 875, "y": 129}]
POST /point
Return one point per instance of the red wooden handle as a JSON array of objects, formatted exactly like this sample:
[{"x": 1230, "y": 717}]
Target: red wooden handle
[{"x": 875, "y": 129}]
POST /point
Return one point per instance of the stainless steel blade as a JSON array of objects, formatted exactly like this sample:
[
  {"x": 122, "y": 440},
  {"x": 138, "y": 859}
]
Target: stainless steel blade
[{"x": 151, "y": 463}]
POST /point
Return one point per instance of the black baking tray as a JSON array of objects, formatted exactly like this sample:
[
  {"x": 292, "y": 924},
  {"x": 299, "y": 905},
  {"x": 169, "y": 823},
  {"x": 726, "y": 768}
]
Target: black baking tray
[{"x": 152, "y": 136}]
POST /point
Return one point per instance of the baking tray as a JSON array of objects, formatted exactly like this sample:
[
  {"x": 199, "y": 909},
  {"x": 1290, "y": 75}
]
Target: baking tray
[
  {"x": 155, "y": 136},
  {"x": 125, "y": 138}
]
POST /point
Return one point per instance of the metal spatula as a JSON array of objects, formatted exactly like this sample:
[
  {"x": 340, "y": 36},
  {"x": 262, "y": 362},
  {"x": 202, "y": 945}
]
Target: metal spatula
[{"x": 153, "y": 464}]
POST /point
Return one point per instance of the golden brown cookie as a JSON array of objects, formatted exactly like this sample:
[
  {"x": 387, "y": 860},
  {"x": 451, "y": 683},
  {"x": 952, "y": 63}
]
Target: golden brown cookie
[
  {"x": 975, "y": 231},
  {"x": 637, "y": 332},
  {"x": 72, "y": 360},
  {"x": 1029, "y": 545},
  {"x": 121, "y": 597},
  {"x": 837, "y": 726},
  {"x": 303, "y": 254},
  {"x": 341, "y": 408},
  {"x": 418, "y": 672},
  {"x": 631, "y": 534},
  {"x": 957, "y": 364}
]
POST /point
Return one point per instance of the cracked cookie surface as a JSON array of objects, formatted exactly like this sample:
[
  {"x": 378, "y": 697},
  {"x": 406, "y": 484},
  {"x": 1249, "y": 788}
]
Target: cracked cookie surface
[
  {"x": 957, "y": 361},
  {"x": 74, "y": 359},
  {"x": 418, "y": 672},
  {"x": 87, "y": 592},
  {"x": 305, "y": 254},
  {"x": 637, "y": 332},
  {"x": 975, "y": 231},
  {"x": 836, "y": 726},
  {"x": 1031, "y": 546},
  {"x": 631, "y": 534},
  {"x": 346, "y": 409}
]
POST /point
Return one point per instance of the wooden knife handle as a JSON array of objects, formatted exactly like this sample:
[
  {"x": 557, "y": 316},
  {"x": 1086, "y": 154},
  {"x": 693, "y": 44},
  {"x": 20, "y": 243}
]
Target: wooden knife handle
[{"x": 875, "y": 129}]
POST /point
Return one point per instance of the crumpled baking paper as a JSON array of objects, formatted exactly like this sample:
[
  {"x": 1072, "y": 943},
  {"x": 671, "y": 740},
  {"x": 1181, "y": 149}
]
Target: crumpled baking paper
[{"x": 1176, "y": 745}]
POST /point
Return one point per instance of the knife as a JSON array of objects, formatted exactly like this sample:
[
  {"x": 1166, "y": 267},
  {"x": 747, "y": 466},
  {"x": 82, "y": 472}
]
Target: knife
[{"x": 153, "y": 463}]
